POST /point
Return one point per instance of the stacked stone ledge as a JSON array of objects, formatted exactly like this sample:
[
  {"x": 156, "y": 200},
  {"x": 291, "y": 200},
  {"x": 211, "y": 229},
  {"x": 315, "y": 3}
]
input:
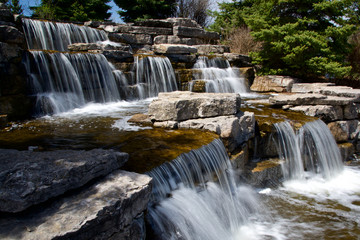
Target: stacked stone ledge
[
  {"x": 337, "y": 106},
  {"x": 14, "y": 104},
  {"x": 69, "y": 194}
]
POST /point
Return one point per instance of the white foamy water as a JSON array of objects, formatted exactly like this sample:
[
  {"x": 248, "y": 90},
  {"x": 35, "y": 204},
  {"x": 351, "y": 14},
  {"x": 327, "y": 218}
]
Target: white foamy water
[{"x": 124, "y": 125}]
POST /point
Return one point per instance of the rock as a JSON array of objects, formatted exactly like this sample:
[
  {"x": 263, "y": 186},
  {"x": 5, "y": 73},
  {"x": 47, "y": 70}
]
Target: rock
[
  {"x": 267, "y": 173},
  {"x": 131, "y": 38},
  {"x": 212, "y": 49},
  {"x": 342, "y": 91},
  {"x": 272, "y": 83},
  {"x": 166, "y": 124},
  {"x": 29, "y": 178},
  {"x": 11, "y": 34},
  {"x": 309, "y": 99},
  {"x": 249, "y": 74},
  {"x": 97, "y": 46},
  {"x": 340, "y": 130},
  {"x": 183, "y": 22},
  {"x": 238, "y": 60},
  {"x": 326, "y": 113},
  {"x": 309, "y": 87},
  {"x": 6, "y": 15},
  {"x": 351, "y": 111},
  {"x": 347, "y": 150},
  {"x": 10, "y": 53},
  {"x": 234, "y": 130},
  {"x": 181, "y": 58},
  {"x": 174, "y": 49},
  {"x": 140, "y": 118},
  {"x": 2, "y": 23},
  {"x": 126, "y": 28},
  {"x": 169, "y": 39},
  {"x": 198, "y": 86},
  {"x": 118, "y": 56},
  {"x": 96, "y": 24},
  {"x": 157, "y": 23},
  {"x": 108, "y": 209},
  {"x": 240, "y": 159},
  {"x": 193, "y": 32},
  {"x": 180, "y": 106},
  {"x": 16, "y": 107}
]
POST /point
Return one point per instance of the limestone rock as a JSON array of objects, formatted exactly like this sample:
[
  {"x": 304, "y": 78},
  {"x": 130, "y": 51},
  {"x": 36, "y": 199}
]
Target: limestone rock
[
  {"x": 174, "y": 49},
  {"x": 97, "y": 46},
  {"x": 29, "y": 178},
  {"x": 238, "y": 60},
  {"x": 234, "y": 130},
  {"x": 11, "y": 34},
  {"x": 118, "y": 56},
  {"x": 158, "y": 23},
  {"x": 309, "y": 99},
  {"x": 351, "y": 111},
  {"x": 340, "y": 130},
  {"x": 198, "y": 86},
  {"x": 131, "y": 38},
  {"x": 346, "y": 150},
  {"x": 326, "y": 113},
  {"x": 309, "y": 87},
  {"x": 272, "y": 83},
  {"x": 140, "y": 118},
  {"x": 107, "y": 209},
  {"x": 183, "y": 22},
  {"x": 169, "y": 39},
  {"x": 212, "y": 49},
  {"x": 193, "y": 32},
  {"x": 6, "y": 15},
  {"x": 181, "y": 58},
  {"x": 266, "y": 174},
  {"x": 180, "y": 106},
  {"x": 131, "y": 29},
  {"x": 10, "y": 53}
]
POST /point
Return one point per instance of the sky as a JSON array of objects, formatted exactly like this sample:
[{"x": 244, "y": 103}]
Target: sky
[{"x": 114, "y": 16}]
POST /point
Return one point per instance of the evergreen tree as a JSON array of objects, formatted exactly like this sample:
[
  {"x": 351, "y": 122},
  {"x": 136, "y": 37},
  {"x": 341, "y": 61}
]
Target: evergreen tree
[
  {"x": 15, "y": 7},
  {"x": 303, "y": 38},
  {"x": 78, "y": 10},
  {"x": 134, "y": 10}
]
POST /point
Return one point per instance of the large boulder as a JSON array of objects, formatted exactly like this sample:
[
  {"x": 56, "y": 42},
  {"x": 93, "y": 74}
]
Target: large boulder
[
  {"x": 28, "y": 178},
  {"x": 327, "y": 113},
  {"x": 11, "y": 34},
  {"x": 143, "y": 39},
  {"x": 110, "y": 209},
  {"x": 212, "y": 49},
  {"x": 170, "y": 39},
  {"x": 174, "y": 49},
  {"x": 180, "y": 106},
  {"x": 309, "y": 99},
  {"x": 272, "y": 83}
]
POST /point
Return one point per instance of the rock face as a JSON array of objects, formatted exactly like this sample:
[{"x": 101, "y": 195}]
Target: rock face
[
  {"x": 272, "y": 83},
  {"x": 110, "y": 209},
  {"x": 216, "y": 112},
  {"x": 180, "y": 106},
  {"x": 29, "y": 178}
]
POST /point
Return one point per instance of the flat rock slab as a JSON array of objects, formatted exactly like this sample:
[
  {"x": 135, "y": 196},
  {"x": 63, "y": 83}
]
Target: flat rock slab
[
  {"x": 309, "y": 99},
  {"x": 180, "y": 106},
  {"x": 98, "y": 212},
  {"x": 174, "y": 49},
  {"x": 272, "y": 83},
  {"x": 28, "y": 178}
]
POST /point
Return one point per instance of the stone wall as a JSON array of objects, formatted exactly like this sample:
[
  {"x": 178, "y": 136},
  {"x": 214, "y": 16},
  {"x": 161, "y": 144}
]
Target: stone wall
[{"x": 14, "y": 104}]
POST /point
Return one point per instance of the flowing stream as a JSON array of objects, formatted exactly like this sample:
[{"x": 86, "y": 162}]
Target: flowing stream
[{"x": 197, "y": 195}]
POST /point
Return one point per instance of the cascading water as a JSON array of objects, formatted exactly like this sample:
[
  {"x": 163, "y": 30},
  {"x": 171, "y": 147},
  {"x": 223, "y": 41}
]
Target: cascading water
[
  {"x": 219, "y": 76},
  {"x": 153, "y": 75},
  {"x": 204, "y": 201},
  {"x": 313, "y": 149},
  {"x": 44, "y": 35},
  {"x": 63, "y": 81}
]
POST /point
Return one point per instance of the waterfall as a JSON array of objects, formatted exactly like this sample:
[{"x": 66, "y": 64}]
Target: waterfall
[
  {"x": 44, "y": 35},
  {"x": 219, "y": 76},
  {"x": 63, "y": 81},
  {"x": 153, "y": 75},
  {"x": 313, "y": 149},
  {"x": 195, "y": 197}
]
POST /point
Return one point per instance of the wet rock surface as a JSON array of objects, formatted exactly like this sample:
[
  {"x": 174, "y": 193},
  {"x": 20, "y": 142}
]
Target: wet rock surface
[
  {"x": 110, "y": 209},
  {"x": 28, "y": 178}
]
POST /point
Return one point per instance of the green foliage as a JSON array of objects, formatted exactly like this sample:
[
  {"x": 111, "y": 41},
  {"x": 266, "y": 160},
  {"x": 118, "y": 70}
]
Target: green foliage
[
  {"x": 302, "y": 38},
  {"x": 135, "y": 10},
  {"x": 16, "y": 7},
  {"x": 78, "y": 10},
  {"x": 230, "y": 16}
]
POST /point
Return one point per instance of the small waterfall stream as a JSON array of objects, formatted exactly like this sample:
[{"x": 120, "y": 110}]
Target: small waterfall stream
[
  {"x": 312, "y": 149},
  {"x": 205, "y": 202},
  {"x": 45, "y": 35},
  {"x": 219, "y": 76}
]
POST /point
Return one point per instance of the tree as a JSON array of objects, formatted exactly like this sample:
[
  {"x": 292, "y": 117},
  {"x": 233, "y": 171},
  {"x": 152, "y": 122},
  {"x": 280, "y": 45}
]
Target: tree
[
  {"x": 194, "y": 9},
  {"x": 14, "y": 6},
  {"x": 78, "y": 10},
  {"x": 134, "y": 10},
  {"x": 302, "y": 38}
]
